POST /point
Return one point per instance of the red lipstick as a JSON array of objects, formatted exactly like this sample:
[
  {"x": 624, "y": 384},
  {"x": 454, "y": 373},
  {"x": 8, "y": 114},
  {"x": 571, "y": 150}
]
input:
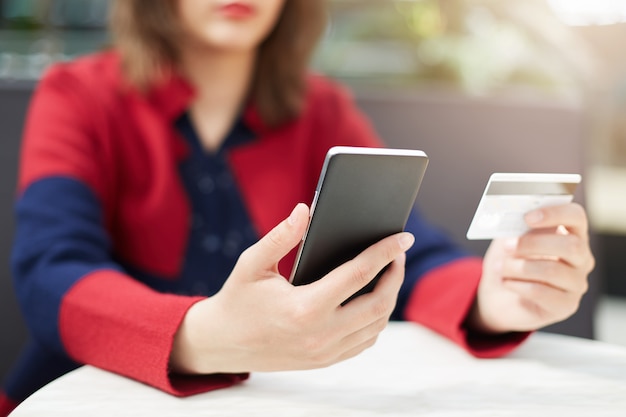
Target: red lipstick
[{"x": 237, "y": 10}]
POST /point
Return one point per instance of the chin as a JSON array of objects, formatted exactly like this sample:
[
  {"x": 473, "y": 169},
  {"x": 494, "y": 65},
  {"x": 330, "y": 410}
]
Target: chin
[
  {"x": 233, "y": 46},
  {"x": 233, "y": 39}
]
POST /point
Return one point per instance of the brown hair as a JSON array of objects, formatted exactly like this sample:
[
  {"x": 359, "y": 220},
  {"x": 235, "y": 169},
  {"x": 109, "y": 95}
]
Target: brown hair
[{"x": 145, "y": 33}]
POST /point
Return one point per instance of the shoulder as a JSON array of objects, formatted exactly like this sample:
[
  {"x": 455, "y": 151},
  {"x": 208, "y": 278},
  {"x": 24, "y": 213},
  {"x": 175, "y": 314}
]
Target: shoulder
[
  {"x": 328, "y": 102},
  {"x": 334, "y": 115},
  {"x": 93, "y": 68},
  {"x": 94, "y": 74},
  {"x": 322, "y": 90},
  {"x": 70, "y": 119}
]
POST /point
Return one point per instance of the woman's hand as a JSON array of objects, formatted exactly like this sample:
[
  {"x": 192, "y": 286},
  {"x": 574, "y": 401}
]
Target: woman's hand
[
  {"x": 537, "y": 279},
  {"x": 260, "y": 322}
]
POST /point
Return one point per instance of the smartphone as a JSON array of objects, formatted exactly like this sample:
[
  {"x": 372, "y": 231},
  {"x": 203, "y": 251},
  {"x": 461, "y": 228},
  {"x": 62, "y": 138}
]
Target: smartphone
[
  {"x": 363, "y": 195},
  {"x": 508, "y": 196}
]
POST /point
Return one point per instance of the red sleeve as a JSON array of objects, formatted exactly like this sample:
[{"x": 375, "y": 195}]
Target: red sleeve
[
  {"x": 442, "y": 300},
  {"x": 117, "y": 324},
  {"x": 6, "y": 405}
]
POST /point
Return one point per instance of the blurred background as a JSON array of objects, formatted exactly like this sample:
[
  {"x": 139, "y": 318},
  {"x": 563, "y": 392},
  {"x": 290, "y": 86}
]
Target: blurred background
[{"x": 481, "y": 85}]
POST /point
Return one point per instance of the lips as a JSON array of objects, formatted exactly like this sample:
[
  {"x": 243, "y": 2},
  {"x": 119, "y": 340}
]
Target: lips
[{"x": 237, "y": 10}]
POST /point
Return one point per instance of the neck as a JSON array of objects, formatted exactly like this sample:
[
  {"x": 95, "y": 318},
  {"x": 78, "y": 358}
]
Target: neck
[
  {"x": 222, "y": 82},
  {"x": 219, "y": 77}
]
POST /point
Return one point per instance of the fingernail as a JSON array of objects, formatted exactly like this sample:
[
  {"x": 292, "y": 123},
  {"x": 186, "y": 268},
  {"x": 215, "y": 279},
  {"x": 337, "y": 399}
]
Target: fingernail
[
  {"x": 406, "y": 240},
  {"x": 293, "y": 217},
  {"x": 534, "y": 217}
]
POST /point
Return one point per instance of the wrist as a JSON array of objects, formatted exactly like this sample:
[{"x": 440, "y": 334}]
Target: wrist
[
  {"x": 477, "y": 322},
  {"x": 184, "y": 355}
]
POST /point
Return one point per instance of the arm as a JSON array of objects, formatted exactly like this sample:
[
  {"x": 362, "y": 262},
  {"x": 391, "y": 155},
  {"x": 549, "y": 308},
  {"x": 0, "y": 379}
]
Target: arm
[{"x": 76, "y": 299}]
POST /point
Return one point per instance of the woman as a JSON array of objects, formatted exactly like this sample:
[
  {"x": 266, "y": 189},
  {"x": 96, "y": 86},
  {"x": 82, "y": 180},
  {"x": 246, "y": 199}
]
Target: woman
[{"x": 159, "y": 190}]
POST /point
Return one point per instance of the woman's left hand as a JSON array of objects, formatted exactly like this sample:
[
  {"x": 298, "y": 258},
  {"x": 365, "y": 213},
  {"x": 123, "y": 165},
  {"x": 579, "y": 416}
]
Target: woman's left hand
[{"x": 537, "y": 279}]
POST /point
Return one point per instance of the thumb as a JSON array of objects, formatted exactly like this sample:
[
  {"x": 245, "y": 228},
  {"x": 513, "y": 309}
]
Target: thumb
[{"x": 267, "y": 252}]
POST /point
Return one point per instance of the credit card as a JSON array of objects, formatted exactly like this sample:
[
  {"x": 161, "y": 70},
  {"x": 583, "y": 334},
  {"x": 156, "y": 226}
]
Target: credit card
[{"x": 509, "y": 196}]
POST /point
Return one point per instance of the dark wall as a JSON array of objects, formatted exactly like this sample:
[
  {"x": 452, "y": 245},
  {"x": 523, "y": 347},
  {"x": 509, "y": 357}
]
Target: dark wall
[
  {"x": 613, "y": 261},
  {"x": 13, "y": 102}
]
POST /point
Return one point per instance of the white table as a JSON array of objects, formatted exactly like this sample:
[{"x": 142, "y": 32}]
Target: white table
[{"x": 409, "y": 372}]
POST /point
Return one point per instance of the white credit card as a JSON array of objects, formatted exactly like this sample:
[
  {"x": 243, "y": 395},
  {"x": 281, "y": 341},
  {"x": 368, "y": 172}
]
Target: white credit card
[{"x": 508, "y": 196}]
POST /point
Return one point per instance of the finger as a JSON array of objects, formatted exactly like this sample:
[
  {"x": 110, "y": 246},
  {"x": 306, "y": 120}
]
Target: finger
[
  {"x": 390, "y": 282},
  {"x": 380, "y": 303},
  {"x": 267, "y": 252},
  {"x": 339, "y": 356},
  {"x": 570, "y": 248},
  {"x": 550, "y": 273},
  {"x": 349, "y": 345},
  {"x": 366, "y": 333},
  {"x": 369, "y": 314},
  {"x": 356, "y": 342},
  {"x": 572, "y": 216},
  {"x": 358, "y": 348},
  {"x": 544, "y": 301},
  {"x": 347, "y": 279}
]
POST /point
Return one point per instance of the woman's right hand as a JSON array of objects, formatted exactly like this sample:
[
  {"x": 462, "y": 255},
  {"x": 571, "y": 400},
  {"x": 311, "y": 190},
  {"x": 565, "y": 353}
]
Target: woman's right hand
[{"x": 258, "y": 321}]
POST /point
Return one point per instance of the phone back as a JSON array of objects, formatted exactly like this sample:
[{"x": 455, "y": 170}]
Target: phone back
[{"x": 363, "y": 196}]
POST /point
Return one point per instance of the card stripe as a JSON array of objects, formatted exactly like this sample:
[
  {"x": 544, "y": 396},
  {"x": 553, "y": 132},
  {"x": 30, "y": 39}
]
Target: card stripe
[{"x": 530, "y": 188}]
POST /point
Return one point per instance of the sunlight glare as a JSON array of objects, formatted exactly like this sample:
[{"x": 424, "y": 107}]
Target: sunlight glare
[{"x": 589, "y": 12}]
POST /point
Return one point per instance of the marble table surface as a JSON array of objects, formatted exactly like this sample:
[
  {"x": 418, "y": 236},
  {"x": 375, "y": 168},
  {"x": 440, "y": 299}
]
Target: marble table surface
[{"x": 409, "y": 372}]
